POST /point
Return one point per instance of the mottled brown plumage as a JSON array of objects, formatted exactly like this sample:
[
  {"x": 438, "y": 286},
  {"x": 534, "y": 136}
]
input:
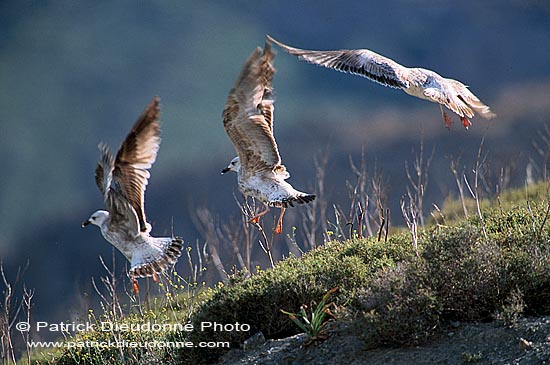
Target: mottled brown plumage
[
  {"x": 122, "y": 182},
  {"x": 248, "y": 115},
  {"x": 248, "y": 121}
]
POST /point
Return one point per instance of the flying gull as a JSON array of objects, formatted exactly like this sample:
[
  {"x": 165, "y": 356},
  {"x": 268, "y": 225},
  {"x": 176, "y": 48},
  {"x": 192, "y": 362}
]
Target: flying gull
[
  {"x": 248, "y": 121},
  {"x": 419, "y": 82},
  {"x": 122, "y": 182}
]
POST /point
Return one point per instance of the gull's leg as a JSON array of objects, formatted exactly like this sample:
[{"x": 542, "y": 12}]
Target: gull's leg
[
  {"x": 446, "y": 119},
  {"x": 135, "y": 285},
  {"x": 256, "y": 219},
  {"x": 465, "y": 122},
  {"x": 245, "y": 200},
  {"x": 155, "y": 278},
  {"x": 279, "y": 227}
]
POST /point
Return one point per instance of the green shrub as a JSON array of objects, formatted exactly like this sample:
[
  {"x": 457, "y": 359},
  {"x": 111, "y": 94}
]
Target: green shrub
[
  {"x": 474, "y": 275},
  {"x": 513, "y": 308},
  {"x": 464, "y": 271},
  {"x": 399, "y": 308},
  {"x": 295, "y": 281},
  {"x": 475, "y": 269}
]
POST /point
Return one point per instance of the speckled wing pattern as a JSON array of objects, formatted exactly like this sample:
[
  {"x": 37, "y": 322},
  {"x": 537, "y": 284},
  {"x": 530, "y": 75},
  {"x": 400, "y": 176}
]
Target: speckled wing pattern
[
  {"x": 248, "y": 115},
  {"x": 104, "y": 170},
  {"x": 123, "y": 180},
  {"x": 136, "y": 156}
]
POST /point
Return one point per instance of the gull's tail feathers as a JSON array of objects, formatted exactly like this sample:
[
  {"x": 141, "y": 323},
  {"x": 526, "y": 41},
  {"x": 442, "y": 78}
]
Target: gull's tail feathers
[{"x": 162, "y": 255}]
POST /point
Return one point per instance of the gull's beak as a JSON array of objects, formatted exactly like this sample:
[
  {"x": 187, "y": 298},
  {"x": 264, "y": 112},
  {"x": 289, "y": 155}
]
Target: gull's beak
[
  {"x": 225, "y": 170},
  {"x": 85, "y": 223}
]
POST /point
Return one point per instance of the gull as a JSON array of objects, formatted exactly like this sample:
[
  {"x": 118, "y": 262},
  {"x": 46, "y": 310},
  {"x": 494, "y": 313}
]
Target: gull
[
  {"x": 248, "y": 121},
  {"x": 122, "y": 182},
  {"x": 420, "y": 82}
]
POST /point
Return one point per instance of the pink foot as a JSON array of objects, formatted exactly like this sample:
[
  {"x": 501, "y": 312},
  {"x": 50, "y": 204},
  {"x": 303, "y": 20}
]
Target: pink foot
[
  {"x": 465, "y": 122},
  {"x": 135, "y": 285}
]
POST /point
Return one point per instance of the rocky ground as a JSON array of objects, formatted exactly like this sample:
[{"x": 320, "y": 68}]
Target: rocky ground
[{"x": 525, "y": 342}]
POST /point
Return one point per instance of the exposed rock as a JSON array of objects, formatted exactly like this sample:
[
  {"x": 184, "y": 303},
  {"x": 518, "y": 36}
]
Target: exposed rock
[{"x": 483, "y": 343}]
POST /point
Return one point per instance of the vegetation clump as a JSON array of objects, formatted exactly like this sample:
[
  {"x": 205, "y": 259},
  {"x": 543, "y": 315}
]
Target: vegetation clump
[{"x": 490, "y": 266}]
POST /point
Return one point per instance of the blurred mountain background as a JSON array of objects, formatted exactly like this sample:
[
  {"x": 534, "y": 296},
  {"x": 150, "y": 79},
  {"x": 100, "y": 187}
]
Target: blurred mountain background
[{"x": 73, "y": 74}]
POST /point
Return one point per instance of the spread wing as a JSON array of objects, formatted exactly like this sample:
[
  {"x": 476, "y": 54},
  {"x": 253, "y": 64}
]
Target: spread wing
[
  {"x": 104, "y": 170},
  {"x": 422, "y": 83},
  {"x": 362, "y": 62},
  {"x": 135, "y": 157},
  {"x": 248, "y": 114},
  {"x": 121, "y": 213},
  {"x": 461, "y": 100}
]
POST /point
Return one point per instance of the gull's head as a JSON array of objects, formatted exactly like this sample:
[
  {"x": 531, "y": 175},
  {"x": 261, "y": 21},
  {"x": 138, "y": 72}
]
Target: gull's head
[
  {"x": 234, "y": 165},
  {"x": 97, "y": 218}
]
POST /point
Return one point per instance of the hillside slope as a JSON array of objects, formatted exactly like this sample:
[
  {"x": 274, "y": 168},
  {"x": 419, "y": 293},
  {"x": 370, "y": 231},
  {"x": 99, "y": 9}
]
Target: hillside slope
[{"x": 493, "y": 268}]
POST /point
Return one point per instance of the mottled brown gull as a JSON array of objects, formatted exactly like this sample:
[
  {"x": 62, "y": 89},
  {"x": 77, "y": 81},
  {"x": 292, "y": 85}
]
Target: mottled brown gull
[
  {"x": 248, "y": 121},
  {"x": 122, "y": 182}
]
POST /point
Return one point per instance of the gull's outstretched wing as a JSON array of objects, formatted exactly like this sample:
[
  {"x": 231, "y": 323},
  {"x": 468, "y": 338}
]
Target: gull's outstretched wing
[
  {"x": 248, "y": 115},
  {"x": 104, "y": 170},
  {"x": 362, "y": 62},
  {"x": 123, "y": 217},
  {"x": 457, "y": 97},
  {"x": 135, "y": 157}
]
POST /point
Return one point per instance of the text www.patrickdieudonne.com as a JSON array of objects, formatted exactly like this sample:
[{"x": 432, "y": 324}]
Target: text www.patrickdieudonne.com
[
  {"x": 113, "y": 327},
  {"x": 126, "y": 344}
]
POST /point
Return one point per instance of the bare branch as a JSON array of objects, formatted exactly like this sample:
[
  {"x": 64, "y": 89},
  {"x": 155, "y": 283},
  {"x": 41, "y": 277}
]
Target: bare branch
[
  {"x": 459, "y": 183},
  {"x": 409, "y": 214},
  {"x": 418, "y": 179}
]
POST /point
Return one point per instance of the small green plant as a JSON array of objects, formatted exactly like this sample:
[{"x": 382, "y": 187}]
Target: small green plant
[
  {"x": 314, "y": 325},
  {"x": 513, "y": 308},
  {"x": 468, "y": 357}
]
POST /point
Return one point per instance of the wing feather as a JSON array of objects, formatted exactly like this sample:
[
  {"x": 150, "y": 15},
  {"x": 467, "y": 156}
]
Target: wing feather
[
  {"x": 361, "y": 62},
  {"x": 248, "y": 114},
  {"x": 104, "y": 170},
  {"x": 418, "y": 82},
  {"x": 120, "y": 211},
  {"x": 135, "y": 157}
]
